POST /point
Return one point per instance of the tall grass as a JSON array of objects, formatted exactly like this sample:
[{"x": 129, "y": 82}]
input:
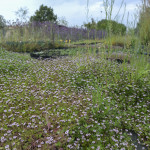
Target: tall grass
[{"x": 144, "y": 21}]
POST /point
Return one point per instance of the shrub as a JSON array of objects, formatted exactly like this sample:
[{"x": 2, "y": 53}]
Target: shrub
[
  {"x": 116, "y": 28},
  {"x": 30, "y": 46}
]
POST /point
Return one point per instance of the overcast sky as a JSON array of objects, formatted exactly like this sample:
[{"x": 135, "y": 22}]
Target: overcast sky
[{"x": 75, "y": 11}]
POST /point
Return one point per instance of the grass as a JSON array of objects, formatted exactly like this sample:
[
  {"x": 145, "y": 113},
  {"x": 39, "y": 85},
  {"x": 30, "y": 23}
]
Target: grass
[
  {"x": 127, "y": 41},
  {"x": 79, "y": 102}
]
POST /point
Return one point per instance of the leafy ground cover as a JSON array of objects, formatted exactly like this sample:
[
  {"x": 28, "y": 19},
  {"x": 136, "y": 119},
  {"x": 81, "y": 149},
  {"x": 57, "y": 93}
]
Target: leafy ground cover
[{"x": 80, "y": 102}]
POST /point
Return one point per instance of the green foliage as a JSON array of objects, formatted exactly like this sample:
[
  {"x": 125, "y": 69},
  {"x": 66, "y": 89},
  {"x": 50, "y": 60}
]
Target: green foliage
[
  {"x": 127, "y": 41},
  {"x": 91, "y": 25},
  {"x": 44, "y": 14},
  {"x": 30, "y": 46},
  {"x": 116, "y": 28},
  {"x": 13, "y": 63},
  {"x": 82, "y": 102},
  {"x": 143, "y": 27},
  {"x": 2, "y": 22}
]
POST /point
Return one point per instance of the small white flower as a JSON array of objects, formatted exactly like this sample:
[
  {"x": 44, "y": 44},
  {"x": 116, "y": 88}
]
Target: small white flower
[
  {"x": 7, "y": 146},
  {"x": 67, "y": 132}
]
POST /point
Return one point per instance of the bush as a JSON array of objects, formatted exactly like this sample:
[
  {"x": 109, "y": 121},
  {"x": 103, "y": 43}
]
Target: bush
[
  {"x": 30, "y": 46},
  {"x": 116, "y": 28}
]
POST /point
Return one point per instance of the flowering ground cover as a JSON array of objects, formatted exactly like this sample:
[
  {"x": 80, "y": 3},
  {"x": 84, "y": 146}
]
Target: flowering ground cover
[{"x": 80, "y": 102}]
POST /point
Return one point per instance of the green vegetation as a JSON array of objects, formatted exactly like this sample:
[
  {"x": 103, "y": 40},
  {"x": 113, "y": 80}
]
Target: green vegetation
[
  {"x": 73, "y": 102},
  {"x": 44, "y": 14},
  {"x": 95, "y": 97},
  {"x": 116, "y": 28},
  {"x": 144, "y": 21},
  {"x": 127, "y": 41},
  {"x": 29, "y": 46},
  {"x": 2, "y": 22}
]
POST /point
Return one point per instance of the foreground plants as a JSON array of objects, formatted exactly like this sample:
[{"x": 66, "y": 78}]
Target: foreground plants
[{"x": 83, "y": 102}]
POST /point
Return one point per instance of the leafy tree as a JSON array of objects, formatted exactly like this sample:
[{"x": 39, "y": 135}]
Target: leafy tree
[
  {"x": 91, "y": 25},
  {"x": 102, "y": 25},
  {"x": 2, "y": 22},
  {"x": 44, "y": 14},
  {"x": 116, "y": 28}
]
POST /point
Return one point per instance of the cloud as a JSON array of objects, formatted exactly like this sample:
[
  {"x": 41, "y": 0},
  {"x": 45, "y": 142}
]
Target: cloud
[
  {"x": 76, "y": 13},
  {"x": 72, "y": 11}
]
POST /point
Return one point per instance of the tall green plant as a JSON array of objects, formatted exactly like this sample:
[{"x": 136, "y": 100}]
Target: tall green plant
[
  {"x": 144, "y": 21},
  {"x": 108, "y": 7}
]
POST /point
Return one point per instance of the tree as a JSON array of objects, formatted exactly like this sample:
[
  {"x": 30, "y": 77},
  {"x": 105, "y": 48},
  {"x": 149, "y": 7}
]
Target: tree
[
  {"x": 62, "y": 21},
  {"x": 91, "y": 25},
  {"x": 2, "y": 22},
  {"x": 44, "y": 14},
  {"x": 22, "y": 14},
  {"x": 116, "y": 28}
]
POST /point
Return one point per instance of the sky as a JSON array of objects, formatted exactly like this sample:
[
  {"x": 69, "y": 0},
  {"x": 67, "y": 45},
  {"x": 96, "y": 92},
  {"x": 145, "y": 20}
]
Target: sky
[{"x": 74, "y": 11}]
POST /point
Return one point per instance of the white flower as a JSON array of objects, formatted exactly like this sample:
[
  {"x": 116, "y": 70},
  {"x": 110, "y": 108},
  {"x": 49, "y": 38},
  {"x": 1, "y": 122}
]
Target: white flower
[
  {"x": 7, "y": 146},
  {"x": 67, "y": 132}
]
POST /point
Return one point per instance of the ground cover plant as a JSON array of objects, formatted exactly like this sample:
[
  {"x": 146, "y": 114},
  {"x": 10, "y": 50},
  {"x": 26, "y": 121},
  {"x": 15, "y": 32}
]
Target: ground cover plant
[
  {"x": 96, "y": 97},
  {"x": 82, "y": 102}
]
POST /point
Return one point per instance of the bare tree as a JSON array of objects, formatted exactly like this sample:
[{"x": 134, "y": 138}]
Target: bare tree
[{"x": 22, "y": 14}]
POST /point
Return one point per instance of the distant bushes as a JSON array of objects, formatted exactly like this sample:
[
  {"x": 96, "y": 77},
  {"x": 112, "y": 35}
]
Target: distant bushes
[{"x": 116, "y": 28}]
